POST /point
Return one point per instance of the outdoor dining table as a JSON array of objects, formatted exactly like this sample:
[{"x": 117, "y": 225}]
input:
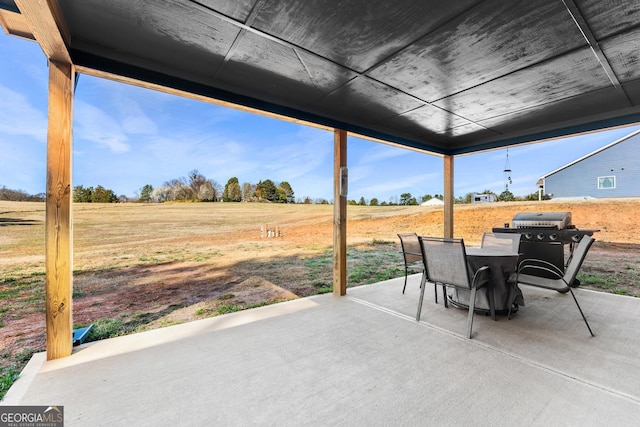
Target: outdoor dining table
[{"x": 502, "y": 267}]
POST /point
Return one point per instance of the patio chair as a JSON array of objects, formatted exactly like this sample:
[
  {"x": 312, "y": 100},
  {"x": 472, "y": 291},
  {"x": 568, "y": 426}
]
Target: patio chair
[
  {"x": 563, "y": 281},
  {"x": 507, "y": 242},
  {"x": 412, "y": 256},
  {"x": 446, "y": 262}
]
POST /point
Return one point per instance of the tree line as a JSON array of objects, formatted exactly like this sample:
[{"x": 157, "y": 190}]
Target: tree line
[
  {"x": 407, "y": 199},
  {"x": 20, "y": 196},
  {"x": 197, "y": 187}
]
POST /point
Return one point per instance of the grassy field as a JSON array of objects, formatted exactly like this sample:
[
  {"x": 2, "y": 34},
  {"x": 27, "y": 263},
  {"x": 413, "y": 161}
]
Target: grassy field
[{"x": 143, "y": 266}]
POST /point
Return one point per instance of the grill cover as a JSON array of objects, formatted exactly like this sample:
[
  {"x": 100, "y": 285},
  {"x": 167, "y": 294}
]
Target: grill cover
[{"x": 558, "y": 220}]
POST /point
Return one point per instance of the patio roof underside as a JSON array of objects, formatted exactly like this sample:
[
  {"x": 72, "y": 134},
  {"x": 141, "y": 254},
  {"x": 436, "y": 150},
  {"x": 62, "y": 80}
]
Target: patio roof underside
[{"x": 445, "y": 77}]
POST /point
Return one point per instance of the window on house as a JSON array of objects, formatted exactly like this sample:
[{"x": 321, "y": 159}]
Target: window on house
[{"x": 606, "y": 182}]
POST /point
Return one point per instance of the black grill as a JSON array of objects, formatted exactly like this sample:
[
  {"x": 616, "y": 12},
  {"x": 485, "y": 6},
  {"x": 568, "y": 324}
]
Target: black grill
[{"x": 544, "y": 241}]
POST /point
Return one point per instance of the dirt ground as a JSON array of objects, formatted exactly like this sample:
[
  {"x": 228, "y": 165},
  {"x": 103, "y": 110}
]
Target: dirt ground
[{"x": 196, "y": 275}]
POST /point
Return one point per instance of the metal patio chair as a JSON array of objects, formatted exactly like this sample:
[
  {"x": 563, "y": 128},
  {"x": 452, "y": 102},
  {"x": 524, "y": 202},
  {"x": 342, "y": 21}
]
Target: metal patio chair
[
  {"x": 446, "y": 262},
  {"x": 564, "y": 280},
  {"x": 412, "y": 256}
]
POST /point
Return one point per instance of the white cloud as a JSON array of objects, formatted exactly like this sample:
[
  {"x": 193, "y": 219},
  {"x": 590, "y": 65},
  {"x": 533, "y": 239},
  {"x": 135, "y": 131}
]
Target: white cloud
[
  {"x": 135, "y": 121},
  {"x": 95, "y": 125},
  {"x": 297, "y": 154},
  {"x": 377, "y": 152},
  {"x": 19, "y": 117}
]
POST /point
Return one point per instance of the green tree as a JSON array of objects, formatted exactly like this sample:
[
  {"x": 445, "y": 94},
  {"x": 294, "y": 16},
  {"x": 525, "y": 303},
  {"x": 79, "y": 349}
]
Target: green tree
[
  {"x": 77, "y": 193},
  {"x": 407, "y": 199},
  {"x": 266, "y": 190},
  {"x": 373, "y": 202},
  {"x": 103, "y": 195},
  {"x": 404, "y": 198},
  {"x": 146, "y": 193},
  {"x": 468, "y": 198},
  {"x": 82, "y": 194},
  {"x": 285, "y": 190},
  {"x": 362, "y": 202},
  {"x": 506, "y": 196},
  {"x": 232, "y": 191}
]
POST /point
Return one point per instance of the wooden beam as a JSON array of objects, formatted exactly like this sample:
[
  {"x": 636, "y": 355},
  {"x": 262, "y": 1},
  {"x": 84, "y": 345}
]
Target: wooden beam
[
  {"x": 44, "y": 19},
  {"x": 58, "y": 226},
  {"x": 448, "y": 197},
  {"x": 14, "y": 24},
  {"x": 340, "y": 180}
]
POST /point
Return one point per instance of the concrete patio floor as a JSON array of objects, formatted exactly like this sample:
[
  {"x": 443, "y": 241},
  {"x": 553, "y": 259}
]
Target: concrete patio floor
[{"x": 359, "y": 360}]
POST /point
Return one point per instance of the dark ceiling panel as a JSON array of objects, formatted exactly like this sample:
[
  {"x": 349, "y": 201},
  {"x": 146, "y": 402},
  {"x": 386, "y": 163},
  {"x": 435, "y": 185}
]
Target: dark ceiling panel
[
  {"x": 608, "y": 17},
  {"x": 9, "y": 5},
  {"x": 553, "y": 80},
  {"x": 366, "y": 101},
  {"x": 237, "y": 9},
  {"x": 591, "y": 104},
  {"x": 623, "y": 52},
  {"x": 496, "y": 71},
  {"x": 632, "y": 89},
  {"x": 486, "y": 42},
  {"x": 175, "y": 38},
  {"x": 355, "y": 33},
  {"x": 273, "y": 71},
  {"x": 428, "y": 117}
]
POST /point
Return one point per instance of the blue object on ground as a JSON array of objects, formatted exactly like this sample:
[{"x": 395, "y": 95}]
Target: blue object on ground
[{"x": 81, "y": 334}]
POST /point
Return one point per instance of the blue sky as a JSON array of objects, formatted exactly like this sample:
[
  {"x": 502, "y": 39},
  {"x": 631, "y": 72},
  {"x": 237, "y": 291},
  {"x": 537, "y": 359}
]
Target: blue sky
[{"x": 126, "y": 137}]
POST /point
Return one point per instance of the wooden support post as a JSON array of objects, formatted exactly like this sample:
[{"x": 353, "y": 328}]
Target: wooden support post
[
  {"x": 339, "y": 213},
  {"x": 448, "y": 197},
  {"x": 58, "y": 226}
]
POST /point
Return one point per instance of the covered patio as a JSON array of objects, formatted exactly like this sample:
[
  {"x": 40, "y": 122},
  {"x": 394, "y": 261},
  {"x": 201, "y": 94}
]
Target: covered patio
[
  {"x": 445, "y": 79},
  {"x": 359, "y": 360}
]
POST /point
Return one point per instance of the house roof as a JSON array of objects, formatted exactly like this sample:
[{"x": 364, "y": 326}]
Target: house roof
[
  {"x": 445, "y": 77},
  {"x": 593, "y": 153}
]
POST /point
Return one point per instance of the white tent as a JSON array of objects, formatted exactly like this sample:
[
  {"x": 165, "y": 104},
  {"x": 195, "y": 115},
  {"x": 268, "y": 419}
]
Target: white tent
[{"x": 432, "y": 202}]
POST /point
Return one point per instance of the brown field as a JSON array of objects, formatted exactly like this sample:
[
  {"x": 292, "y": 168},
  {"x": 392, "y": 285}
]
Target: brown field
[{"x": 141, "y": 266}]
